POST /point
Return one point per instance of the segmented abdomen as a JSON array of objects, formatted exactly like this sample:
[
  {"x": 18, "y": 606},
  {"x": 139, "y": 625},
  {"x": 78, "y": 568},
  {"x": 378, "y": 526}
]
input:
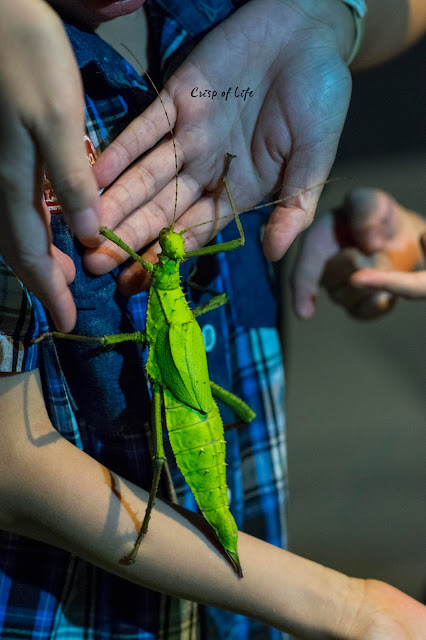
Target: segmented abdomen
[{"x": 198, "y": 443}]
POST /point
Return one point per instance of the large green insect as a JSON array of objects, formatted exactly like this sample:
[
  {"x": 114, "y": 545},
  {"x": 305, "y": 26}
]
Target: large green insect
[{"x": 177, "y": 368}]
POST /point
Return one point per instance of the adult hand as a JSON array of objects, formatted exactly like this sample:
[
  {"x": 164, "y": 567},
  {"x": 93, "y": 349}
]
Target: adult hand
[
  {"x": 365, "y": 254},
  {"x": 41, "y": 127},
  {"x": 285, "y": 134}
]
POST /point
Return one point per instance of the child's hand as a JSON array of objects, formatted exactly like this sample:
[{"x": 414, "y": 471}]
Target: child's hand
[
  {"x": 42, "y": 126},
  {"x": 284, "y": 134},
  {"x": 400, "y": 283},
  {"x": 365, "y": 253}
]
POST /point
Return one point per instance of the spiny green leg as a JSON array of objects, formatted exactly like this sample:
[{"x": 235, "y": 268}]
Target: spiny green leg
[
  {"x": 214, "y": 303},
  {"x": 232, "y": 244},
  {"x": 119, "y": 242},
  {"x": 218, "y": 299},
  {"x": 233, "y": 402},
  {"x": 159, "y": 460},
  {"x": 137, "y": 336}
]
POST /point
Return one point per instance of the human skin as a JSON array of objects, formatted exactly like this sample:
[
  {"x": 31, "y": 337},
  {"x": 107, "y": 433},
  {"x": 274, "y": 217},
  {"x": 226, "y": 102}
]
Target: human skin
[
  {"x": 43, "y": 495},
  {"x": 286, "y": 136},
  {"x": 41, "y": 125},
  {"x": 369, "y": 245},
  {"x": 41, "y": 111},
  {"x": 93, "y": 12}
]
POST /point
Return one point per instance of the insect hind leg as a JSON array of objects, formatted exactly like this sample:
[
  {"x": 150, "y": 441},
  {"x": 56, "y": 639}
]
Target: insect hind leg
[
  {"x": 233, "y": 402},
  {"x": 136, "y": 336},
  {"x": 218, "y": 298},
  {"x": 218, "y": 301},
  {"x": 159, "y": 459}
]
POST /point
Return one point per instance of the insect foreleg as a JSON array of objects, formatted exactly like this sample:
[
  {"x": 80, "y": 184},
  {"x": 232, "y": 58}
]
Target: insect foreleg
[
  {"x": 120, "y": 243},
  {"x": 233, "y": 402},
  {"x": 232, "y": 244},
  {"x": 159, "y": 460}
]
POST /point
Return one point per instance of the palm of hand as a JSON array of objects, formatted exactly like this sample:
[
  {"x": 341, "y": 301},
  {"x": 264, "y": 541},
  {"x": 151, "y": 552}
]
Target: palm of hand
[{"x": 284, "y": 136}]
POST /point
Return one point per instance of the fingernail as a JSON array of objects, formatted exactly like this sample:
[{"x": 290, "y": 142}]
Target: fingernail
[{"x": 85, "y": 224}]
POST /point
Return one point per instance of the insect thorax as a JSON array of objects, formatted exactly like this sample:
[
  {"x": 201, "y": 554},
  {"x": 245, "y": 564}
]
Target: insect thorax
[{"x": 166, "y": 273}]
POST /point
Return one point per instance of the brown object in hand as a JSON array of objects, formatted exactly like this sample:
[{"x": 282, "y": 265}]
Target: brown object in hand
[
  {"x": 406, "y": 259},
  {"x": 361, "y": 303}
]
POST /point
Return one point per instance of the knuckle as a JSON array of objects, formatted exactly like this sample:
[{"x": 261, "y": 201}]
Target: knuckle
[
  {"x": 147, "y": 179},
  {"x": 56, "y": 115},
  {"x": 121, "y": 150},
  {"x": 60, "y": 112},
  {"x": 163, "y": 217},
  {"x": 118, "y": 202}
]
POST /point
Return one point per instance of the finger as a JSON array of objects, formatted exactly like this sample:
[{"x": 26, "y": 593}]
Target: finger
[
  {"x": 139, "y": 184},
  {"x": 41, "y": 271},
  {"x": 141, "y": 134},
  {"x": 144, "y": 225},
  {"x": 318, "y": 247},
  {"x": 59, "y": 131},
  {"x": 50, "y": 284},
  {"x": 304, "y": 179},
  {"x": 66, "y": 264},
  {"x": 25, "y": 234},
  {"x": 409, "y": 285}
]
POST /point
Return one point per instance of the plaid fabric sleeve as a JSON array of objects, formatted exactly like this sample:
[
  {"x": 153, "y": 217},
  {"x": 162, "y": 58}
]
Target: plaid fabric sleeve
[{"x": 18, "y": 325}]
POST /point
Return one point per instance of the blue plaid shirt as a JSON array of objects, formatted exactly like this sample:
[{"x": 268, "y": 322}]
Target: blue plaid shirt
[{"x": 98, "y": 399}]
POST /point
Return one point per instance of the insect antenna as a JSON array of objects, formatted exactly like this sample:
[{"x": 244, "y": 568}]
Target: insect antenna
[
  {"x": 264, "y": 204},
  {"x": 145, "y": 72}
]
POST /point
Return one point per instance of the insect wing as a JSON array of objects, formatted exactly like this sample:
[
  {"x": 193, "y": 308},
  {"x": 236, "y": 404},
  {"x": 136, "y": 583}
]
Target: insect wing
[{"x": 183, "y": 364}]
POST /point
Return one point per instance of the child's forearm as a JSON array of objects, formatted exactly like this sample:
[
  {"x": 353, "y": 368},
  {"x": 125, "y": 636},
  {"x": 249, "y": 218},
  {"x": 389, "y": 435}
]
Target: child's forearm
[{"x": 54, "y": 492}]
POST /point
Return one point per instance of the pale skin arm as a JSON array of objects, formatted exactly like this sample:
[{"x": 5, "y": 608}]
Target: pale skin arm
[{"x": 44, "y": 494}]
